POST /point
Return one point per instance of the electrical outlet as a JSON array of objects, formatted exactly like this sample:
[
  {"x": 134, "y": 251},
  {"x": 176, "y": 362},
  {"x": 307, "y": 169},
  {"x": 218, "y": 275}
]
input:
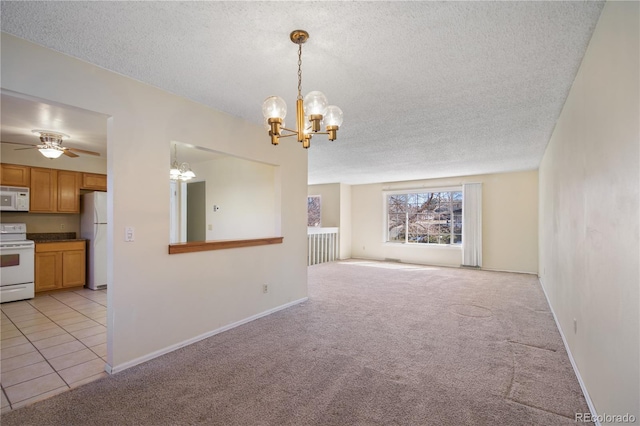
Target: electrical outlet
[
  {"x": 265, "y": 288},
  {"x": 62, "y": 226},
  {"x": 210, "y": 227}
]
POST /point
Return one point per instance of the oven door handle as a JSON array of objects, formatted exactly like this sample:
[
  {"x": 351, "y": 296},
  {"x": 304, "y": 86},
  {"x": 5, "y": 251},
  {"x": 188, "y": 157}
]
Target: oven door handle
[
  {"x": 13, "y": 288},
  {"x": 16, "y": 247}
]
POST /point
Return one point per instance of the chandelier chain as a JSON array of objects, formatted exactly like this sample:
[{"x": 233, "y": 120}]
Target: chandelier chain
[{"x": 299, "y": 70}]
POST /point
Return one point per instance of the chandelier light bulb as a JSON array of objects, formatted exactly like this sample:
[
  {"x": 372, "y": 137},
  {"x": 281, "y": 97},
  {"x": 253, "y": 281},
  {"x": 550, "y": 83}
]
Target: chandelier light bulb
[
  {"x": 180, "y": 171},
  {"x": 315, "y": 103},
  {"x": 174, "y": 172},
  {"x": 188, "y": 175},
  {"x": 333, "y": 116},
  {"x": 274, "y": 107}
]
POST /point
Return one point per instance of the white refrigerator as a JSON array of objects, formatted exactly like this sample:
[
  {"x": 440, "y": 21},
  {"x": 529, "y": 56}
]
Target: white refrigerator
[{"x": 93, "y": 228}]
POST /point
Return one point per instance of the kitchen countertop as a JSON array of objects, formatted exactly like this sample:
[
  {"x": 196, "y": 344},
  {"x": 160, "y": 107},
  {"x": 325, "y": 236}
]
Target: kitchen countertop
[
  {"x": 59, "y": 241},
  {"x": 53, "y": 237}
]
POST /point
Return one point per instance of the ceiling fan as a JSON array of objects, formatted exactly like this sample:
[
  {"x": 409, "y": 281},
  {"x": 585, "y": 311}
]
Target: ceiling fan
[{"x": 51, "y": 146}]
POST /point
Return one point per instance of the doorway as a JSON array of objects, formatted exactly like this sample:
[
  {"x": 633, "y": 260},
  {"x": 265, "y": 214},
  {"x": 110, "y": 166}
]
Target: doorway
[{"x": 196, "y": 211}]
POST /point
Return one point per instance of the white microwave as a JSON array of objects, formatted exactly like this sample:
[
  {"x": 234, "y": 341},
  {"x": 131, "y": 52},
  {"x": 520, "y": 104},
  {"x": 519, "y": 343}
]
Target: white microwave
[{"x": 14, "y": 199}]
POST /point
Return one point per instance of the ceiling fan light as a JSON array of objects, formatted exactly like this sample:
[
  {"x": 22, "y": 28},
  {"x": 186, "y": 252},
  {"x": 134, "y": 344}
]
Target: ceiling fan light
[
  {"x": 50, "y": 152},
  {"x": 50, "y": 135}
]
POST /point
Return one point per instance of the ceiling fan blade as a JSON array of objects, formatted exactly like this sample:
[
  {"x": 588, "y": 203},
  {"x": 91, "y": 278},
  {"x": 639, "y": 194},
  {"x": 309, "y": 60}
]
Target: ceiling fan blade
[
  {"x": 69, "y": 153},
  {"x": 82, "y": 151},
  {"x": 19, "y": 143},
  {"x": 20, "y": 149}
]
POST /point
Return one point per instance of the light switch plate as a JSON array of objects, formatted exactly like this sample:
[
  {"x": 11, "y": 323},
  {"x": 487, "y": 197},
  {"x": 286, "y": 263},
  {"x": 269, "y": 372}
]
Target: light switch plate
[{"x": 129, "y": 234}]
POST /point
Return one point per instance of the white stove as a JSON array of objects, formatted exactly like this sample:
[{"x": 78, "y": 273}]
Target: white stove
[{"x": 16, "y": 263}]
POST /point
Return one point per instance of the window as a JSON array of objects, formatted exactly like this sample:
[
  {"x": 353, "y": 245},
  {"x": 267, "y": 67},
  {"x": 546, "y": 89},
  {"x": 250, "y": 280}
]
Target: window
[
  {"x": 313, "y": 211},
  {"x": 425, "y": 217}
]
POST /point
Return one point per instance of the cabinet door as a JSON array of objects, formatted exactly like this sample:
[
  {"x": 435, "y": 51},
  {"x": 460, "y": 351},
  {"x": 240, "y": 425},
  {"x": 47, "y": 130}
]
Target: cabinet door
[
  {"x": 73, "y": 268},
  {"x": 43, "y": 197},
  {"x": 68, "y": 192},
  {"x": 14, "y": 175},
  {"x": 94, "y": 181},
  {"x": 47, "y": 271}
]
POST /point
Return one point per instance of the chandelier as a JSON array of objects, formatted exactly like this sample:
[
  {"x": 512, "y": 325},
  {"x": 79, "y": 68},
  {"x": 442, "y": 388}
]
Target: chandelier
[
  {"x": 180, "y": 171},
  {"x": 312, "y": 111}
]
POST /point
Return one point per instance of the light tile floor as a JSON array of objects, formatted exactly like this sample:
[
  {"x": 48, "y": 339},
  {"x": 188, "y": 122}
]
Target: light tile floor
[{"x": 50, "y": 344}]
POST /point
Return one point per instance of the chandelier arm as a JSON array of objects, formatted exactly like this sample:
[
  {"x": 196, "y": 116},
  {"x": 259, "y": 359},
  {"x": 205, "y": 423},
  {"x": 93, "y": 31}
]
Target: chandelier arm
[{"x": 290, "y": 134}]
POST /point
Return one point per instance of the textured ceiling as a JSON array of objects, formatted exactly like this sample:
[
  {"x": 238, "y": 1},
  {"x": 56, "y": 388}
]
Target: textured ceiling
[{"x": 428, "y": 89}]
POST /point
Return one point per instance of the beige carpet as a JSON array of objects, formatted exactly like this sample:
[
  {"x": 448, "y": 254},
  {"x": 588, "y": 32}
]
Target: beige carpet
[{"x": 375, "y": 344}]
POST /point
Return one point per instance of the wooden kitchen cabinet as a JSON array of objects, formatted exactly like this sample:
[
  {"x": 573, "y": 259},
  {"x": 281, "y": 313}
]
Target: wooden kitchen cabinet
[
  {"x": 68, "y": 192},
  {"x": 14, "y": 175},
  {"x": 54, "y": 191},
  {"x": 94, "y": 182},
  {"x": 60, "y": 265},
  {"x": 48, "y": 270},
  {"x": 43, "y": 195}
]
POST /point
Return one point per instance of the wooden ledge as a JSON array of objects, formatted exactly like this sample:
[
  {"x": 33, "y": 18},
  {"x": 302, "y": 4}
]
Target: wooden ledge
[{"x": 221, "y": 245}]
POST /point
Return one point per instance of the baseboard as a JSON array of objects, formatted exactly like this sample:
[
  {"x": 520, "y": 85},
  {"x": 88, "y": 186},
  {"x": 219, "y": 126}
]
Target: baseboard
[
  {"x": 121, "y": 367},
  {"x": 439, "y": 265},
  {"x": 381, "y": 259},
  {"x": 509, "y": 271},
  {"x": 592, "y": 408}
]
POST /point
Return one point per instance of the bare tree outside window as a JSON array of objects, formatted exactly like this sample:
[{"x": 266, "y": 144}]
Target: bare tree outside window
[
  {"x": 425, "y": 218},
  {"x": 313, "y": 211}
]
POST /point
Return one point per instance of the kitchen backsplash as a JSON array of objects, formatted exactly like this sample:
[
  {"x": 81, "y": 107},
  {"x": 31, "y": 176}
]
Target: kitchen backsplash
[
  {"x": 44, "y": 222},
  {"x": 51, "y": 236}
]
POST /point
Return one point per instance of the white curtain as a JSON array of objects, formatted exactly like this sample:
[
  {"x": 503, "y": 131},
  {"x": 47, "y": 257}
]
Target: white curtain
[{"x": 472, "y": 224}]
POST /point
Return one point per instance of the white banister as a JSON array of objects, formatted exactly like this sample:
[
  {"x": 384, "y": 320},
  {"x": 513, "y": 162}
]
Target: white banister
[{"x": 322, "y": 245}]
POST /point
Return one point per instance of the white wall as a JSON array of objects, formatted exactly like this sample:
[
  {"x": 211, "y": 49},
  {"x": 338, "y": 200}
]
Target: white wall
[
  {"x": 245, "y": 193},
  {"x": 345, "y": 221},
  {"x": 509, "y": 223},
  {"x": 155, "y": 300},
  {"x": 330, "y": 203},
  {"x": 589, "y": 207}
]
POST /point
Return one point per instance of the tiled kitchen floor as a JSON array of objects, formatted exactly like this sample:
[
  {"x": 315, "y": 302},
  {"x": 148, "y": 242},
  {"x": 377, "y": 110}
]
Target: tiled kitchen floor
[{"x": 50, "y": 344}]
